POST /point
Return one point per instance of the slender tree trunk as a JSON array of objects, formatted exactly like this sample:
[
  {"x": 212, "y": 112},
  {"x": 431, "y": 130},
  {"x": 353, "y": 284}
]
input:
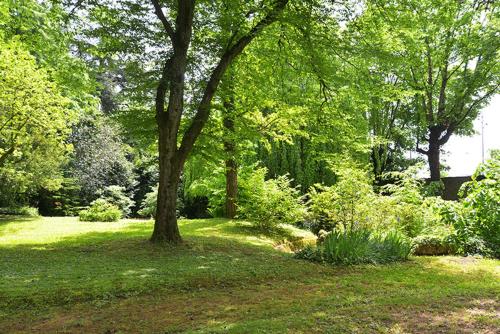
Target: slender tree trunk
[
  {"x": 231, "y": 187},
  {"x": 231, "y": 164}
]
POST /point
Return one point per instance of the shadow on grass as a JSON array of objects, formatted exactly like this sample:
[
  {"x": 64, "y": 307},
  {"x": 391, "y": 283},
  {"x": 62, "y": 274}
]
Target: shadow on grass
[
  {"x": 106, "y": 266},
  {"x": 237, "y": 228},
  {"x": 233, "y": 230},
  {"x": 103, "y": 266},
  {"x": 6, "y": 219},
  {"x": 410, "y": 294}
]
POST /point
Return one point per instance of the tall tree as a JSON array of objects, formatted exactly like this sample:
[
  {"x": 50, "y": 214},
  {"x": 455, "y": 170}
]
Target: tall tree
[
  {"x": 451, "y": 60},
  {"x": 35, "y": 119},
  {"x": 171, "y": 156},
  {"x": 174, "y": 53}
]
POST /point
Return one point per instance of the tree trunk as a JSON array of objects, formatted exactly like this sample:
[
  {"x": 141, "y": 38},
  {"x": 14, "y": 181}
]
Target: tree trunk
[
  {"x": 231, "y": 187},
  {"x": 166, "y": 229},
  {"x": 434, "y": 163},
  {"x": 433, "y": 154},
  {"x": 231, "y": 164}
]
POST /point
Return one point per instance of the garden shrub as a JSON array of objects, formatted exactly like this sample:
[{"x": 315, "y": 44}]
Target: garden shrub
[
  {"x": 64, "y": 201},
  {"x": 26, "y": 211},
  {"x": 352, "y": 202},
  {"x": 359, "y": 245},
  {"x": 268, "y": 203},
  {"x": 476, "y": 218},
  {"x": 214, "y": 188},
  {"x": 148, "y": 206},
  {"x": 347, "y": 203},
  {"x": 101, "y": 211},
  {"x": 405, "y": 192},
  {"x": 116, "y": 195},
  {"x": 391, "y": 246}
]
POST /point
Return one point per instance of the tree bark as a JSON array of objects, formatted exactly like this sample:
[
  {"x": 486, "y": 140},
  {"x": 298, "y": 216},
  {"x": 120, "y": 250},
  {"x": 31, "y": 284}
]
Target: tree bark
[
  {"x": 231, "y": 188},
  {"x": 166, "y": 228},
  {"x": 168, "y": 121},
  {"x": 433, "y": 154},
  {"x": 434, "y": 163},
  {"x": 231, "y": 164}
]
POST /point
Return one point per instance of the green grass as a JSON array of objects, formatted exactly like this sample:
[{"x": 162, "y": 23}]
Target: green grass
[{"x": 62, "y": 275}]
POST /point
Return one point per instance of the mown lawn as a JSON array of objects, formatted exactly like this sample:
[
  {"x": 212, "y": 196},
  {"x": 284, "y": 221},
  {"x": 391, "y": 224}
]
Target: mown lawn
[{"x": 58, "y": 275}]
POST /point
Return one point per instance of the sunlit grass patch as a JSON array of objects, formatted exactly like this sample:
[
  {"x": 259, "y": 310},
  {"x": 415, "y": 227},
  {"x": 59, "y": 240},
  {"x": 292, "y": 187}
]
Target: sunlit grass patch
[{"x": 59, "y": 274}]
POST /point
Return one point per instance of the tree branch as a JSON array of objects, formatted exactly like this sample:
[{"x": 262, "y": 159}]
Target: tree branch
[
  {"x": 422, "y": 151},
  {"x": 476, "y": 102},
  {"x": 5, "y": 155},
  {"x": 166, "y": 25},
  {"x": 444, "y": 139},
  {"x": 203, "y": 110}
]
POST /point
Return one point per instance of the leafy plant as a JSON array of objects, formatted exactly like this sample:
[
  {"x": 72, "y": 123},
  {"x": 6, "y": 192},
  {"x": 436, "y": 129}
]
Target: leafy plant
[
  {"x": 347, "y": 203},
  {"x": 359, "y": 245},
  {"x": 270, "y": 202},
  {"x": 26, "y": 211},
  {"x": 116, "y": 195},
  {"x": 102, "y": 211},
  {"x": 148, "y": 206},
  {"x": 391, "y": 246},
  {"x": 476, "y": 218}
]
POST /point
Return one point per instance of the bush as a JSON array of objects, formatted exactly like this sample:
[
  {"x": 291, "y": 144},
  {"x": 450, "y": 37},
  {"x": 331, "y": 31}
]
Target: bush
[
  {"x": 346, "y": 203},
  {"x": 26, "y": 211},
  {"x": 408, "y": 213},
  {"x": 148, "y": 206},
  {"x": 476, "y": 218},
  {"x": 351, "y": 202},
  {"x": 360, "y": 245},
  {"x": 349, "y": 247},
  {"x": 391, "y": 247},
  {"x": 62, "y": 202},
  {"x": 270, "y": 202},
  {"x": 101, "y": 211},
  {"x": 116, "y": 195}
]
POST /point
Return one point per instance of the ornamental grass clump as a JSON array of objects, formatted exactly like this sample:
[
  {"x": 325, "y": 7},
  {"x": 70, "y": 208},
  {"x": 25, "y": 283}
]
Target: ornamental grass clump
[{"x": 357, "y": 246}]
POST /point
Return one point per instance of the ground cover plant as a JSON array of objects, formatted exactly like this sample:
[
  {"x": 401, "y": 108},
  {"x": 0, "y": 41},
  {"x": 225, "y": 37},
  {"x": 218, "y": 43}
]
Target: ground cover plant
[{"x": 61, "y": 275}]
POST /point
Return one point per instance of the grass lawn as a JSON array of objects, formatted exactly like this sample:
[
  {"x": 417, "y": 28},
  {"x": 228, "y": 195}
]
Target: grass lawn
[{"x": 58, "y": 275}]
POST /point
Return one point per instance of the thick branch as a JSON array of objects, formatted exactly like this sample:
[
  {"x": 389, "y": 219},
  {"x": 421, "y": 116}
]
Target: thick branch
[
  {"x": 164, "y": 21},
  {"x": 422, "y": 151},
  {"x": 442, "y": 90},
  {"x": 430, "y": 84},
  {"x": 229, "y": 55},
  {"x": 444, "y": 139},
  {"x": 476, "y": 103},
  {"x": 5, "y": 155}
]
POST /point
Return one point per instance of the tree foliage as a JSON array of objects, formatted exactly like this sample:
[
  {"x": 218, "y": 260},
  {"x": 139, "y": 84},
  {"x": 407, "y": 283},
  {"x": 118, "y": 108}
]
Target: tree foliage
[{"x": 34, "y": 123}]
